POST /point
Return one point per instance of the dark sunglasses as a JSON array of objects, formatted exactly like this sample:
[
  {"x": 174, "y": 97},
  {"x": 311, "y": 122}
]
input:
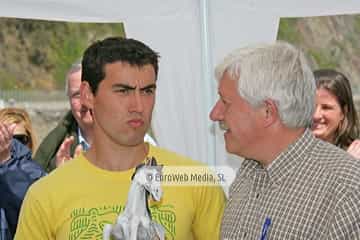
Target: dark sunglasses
[{"x": 23, "y": 138}]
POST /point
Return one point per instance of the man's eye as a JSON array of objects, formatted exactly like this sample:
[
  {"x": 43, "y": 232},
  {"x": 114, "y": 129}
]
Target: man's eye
[
  {"x": 124, "y": 91},
  {"x": 75, "y": 95},
  {"x": 149, "y": 91}
]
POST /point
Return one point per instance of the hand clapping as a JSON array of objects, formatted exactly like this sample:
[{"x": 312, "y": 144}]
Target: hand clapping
[
  {"x": 64, "y": 152},
  {"x": 354, "y": 149}
]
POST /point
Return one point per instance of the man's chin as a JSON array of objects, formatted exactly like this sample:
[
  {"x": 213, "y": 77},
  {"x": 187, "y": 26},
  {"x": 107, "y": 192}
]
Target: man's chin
[
  {"x": 135, "y": 141},
  {"x": 229, "y": 148}
]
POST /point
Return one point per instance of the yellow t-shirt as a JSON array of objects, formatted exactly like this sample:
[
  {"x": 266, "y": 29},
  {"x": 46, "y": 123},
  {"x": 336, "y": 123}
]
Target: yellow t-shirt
[{"x": 76, "y": 200}]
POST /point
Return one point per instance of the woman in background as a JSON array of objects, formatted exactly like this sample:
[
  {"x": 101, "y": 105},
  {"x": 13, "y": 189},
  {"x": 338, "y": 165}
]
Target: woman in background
[
  {"x": 23, "y": 131},
  {"x": 17, "y": 169},
  {"x": 335, "y": 119}
]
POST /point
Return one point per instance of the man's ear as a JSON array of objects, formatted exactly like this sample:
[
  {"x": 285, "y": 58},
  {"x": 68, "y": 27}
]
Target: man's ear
[
  {"x": 86, "y": 95},
  {"x": 270, "y": 112}
]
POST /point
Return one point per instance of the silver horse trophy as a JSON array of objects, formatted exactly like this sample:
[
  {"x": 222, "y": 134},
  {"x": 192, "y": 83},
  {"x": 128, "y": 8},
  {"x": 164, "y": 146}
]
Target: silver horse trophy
[{"x": 135, "y": 222}]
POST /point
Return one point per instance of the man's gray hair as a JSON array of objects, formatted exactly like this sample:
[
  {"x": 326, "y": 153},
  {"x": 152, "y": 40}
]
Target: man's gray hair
[
  {"x": 276, "y": 71},
  {"x": 75, "y": 67}
]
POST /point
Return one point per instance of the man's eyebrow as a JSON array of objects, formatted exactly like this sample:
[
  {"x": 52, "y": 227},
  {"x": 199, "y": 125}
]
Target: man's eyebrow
[
  {"x": 153, "y": 85},
  {"x": 124, "y": 86}
]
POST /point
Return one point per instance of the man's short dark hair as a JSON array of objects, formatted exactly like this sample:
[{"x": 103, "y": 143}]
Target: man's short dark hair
[{"x": 111, "y": 50}]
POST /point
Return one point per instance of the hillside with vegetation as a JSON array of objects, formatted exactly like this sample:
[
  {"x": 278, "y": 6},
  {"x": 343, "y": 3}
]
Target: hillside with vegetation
[
  {"x": 329, "y": 42},
  {"x": 36, "y": 54}
]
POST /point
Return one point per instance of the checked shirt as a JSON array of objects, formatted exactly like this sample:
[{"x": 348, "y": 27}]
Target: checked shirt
[{"x": 311, "y": 191}]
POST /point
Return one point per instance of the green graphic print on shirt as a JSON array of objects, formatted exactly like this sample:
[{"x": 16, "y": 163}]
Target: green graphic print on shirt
[{"x": 89, "y": 223}]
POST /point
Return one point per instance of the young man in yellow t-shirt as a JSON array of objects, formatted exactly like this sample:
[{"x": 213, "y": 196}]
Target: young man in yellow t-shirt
[{"x": 118, "y": 88}]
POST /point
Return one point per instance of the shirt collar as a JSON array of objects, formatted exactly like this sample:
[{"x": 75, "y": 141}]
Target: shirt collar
[
  {"x": 286, "y": 162},
  {"x": 82, "y": 140}
]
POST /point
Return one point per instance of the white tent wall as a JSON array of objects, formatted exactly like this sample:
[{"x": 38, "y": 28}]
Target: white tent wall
[
  {"x": 233, "y": 27},
  {"x": 186, "y": 90},
  {"x": 180, "y": 118}
]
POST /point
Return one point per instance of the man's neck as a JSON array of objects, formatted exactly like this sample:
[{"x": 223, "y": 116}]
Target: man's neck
[
  {"x": 115, "y": 157},
  {"x": 276, "y": 143}
]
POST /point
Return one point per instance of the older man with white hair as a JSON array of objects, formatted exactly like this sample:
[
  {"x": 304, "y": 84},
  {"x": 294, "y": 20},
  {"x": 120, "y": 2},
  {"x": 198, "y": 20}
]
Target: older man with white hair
[{"x": 290, "y": 185}]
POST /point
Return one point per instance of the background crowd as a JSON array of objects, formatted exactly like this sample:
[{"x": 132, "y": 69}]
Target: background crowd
[{"x": 292, "y": 118}]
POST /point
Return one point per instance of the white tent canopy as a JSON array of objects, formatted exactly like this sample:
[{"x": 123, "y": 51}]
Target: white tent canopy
[{"x": 191, "y": 36}]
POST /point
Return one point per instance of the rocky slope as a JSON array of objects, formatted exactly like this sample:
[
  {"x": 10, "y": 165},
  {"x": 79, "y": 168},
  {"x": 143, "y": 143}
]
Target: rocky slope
[
  {"x": 36, "y": 54},
  {"x": 329, "y": 42}
]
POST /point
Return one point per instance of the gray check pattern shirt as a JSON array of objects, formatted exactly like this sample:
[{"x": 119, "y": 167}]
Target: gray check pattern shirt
[{"x": 311, "y": 191}]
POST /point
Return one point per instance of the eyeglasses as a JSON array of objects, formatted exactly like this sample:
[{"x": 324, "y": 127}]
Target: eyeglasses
[{"x": 23, "y": 138}]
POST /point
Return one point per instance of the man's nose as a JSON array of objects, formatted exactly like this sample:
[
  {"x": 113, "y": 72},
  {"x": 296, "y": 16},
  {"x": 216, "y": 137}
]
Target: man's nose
[
  {"x": 137, "y": 104},
  {"x": 217, "y": 113}
]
